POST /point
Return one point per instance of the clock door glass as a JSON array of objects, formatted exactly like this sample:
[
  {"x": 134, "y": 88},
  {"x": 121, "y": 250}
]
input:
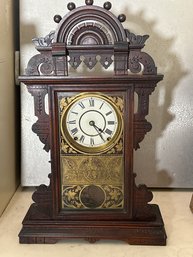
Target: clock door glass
[{"x": 91, "y": 151}]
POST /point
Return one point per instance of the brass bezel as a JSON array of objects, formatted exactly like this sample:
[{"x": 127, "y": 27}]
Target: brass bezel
[{"x": 91, "y": 150}]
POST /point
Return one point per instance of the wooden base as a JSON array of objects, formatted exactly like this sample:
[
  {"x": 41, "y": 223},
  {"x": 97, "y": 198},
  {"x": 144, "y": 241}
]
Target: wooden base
[
  {"x": 191, "y": 204},
  {"x": 132, "y": 232}
]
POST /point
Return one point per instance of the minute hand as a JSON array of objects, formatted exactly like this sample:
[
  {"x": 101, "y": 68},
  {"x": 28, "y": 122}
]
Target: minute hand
[
  {"x": 92, "y": 123},
  {"x": 99, "y": 130}
]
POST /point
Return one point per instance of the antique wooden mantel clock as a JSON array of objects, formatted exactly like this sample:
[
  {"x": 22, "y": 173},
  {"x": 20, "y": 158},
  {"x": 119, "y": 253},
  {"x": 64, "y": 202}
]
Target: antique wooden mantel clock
[{"x": 91, "y": 131}]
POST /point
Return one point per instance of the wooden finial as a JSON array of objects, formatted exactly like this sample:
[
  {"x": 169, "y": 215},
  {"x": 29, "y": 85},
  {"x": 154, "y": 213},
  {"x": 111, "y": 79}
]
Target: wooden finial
[
  {"x": 57, "y": 18},
  {"x": 107, "y": 5},
  {"x": 89, "y": 2},
  {"x": 122, "y": 17},
  {"x": 71, "y": 6}
]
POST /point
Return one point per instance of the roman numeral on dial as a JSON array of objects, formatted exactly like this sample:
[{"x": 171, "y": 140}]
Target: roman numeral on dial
[
  {"x": 101, "y": 105},
  {"x": 72, "y": 122},
  {"x": 92, "y": 141},
  {"x": 82, "y": 138},
  {"x": 111, "y": 122},
  {"x": 108, "y": 113},
  {"x": 91, "y": 102},
  {"x": 109, "y": 132},
  {"x": 74, "y": 112},
  {"x": 82, "y": 105},
  {"x": 74, "y": 131}
]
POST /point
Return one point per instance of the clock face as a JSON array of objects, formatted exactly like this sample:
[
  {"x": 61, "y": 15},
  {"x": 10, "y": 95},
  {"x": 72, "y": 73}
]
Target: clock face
[{"x": 91, "y": 123}]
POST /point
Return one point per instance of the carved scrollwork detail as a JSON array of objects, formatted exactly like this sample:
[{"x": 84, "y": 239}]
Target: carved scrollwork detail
[
  {"x": 136, "y": 40},
  {"x": 65, "y": 148},
  {"x": 75, "y": 60},
  {"x": 141, "y": 127},
  {"x": 134, "y": 63},
  {"x": 119, "y": 102},
  {"x": 44, "y": 41},
  {"x": 90, "y": 61},
  {"x": 41, "y": 127},
  {"x": 46, "y": 67},
  {"x": 40, "y": 64},
  {"x": 143, "y": 100},
  {"x": 139, "y": 61},
  {"x": 142, "y": 196},
  {"x": 65, "y": 101},
  {"x": 42, "y": 206},
  {"x": 148, "y": 64},
  {"x": 106, "y": 60},
  {"x": 117, "y": 149},
  {"x": 39, "y": 195}
]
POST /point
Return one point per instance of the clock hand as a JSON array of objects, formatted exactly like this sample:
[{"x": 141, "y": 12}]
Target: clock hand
[
  {"x": 92, "y": 123},
  {"x": 99, "y": 133}
]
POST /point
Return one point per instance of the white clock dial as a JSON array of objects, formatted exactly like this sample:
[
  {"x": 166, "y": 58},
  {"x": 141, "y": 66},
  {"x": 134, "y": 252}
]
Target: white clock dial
[{"x": 92, "y": 121}]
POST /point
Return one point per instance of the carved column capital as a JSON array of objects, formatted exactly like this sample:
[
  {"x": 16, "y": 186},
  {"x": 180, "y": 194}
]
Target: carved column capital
[
  {"x": 41, "y": 127},
  {"x": 141, "y": 125}
]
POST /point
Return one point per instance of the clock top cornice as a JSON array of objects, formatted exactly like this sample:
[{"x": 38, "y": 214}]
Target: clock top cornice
[{"x": 89, "y": 34}]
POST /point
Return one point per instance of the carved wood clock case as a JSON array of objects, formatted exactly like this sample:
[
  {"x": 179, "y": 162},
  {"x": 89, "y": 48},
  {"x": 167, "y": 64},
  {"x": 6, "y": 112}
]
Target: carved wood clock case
[{"x": 91, "y": 131}]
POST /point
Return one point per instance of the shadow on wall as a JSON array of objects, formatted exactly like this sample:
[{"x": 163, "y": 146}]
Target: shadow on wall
[
  {"x": 28, "y": 31},
  {"x": 168, "y": 63}
]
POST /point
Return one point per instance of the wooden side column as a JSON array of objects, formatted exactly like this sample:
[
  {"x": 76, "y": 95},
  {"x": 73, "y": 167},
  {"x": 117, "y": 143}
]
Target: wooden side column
[
  {"x": 42, "y": 126},
  {"x": 121, "y": 50},
  {"x": 60, "y": 59}
]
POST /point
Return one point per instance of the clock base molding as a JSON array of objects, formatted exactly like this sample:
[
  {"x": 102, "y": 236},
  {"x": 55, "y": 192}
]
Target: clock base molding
[{"x": 46, "y": 231}]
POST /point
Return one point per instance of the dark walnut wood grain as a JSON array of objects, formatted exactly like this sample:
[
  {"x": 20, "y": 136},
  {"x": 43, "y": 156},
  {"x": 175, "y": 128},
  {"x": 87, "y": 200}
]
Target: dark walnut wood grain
[{"x": 89, "y": 35}]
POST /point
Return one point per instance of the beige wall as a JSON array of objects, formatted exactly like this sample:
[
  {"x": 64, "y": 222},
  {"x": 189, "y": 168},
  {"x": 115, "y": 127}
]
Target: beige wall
[
  {"x": 8, "y": 177},
  {"x": 166, "y": 157}
]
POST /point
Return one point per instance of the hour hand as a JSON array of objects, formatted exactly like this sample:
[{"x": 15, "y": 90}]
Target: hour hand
[
  {"x": 92, "y": 123},
  {"x": 99, "y": 133}
]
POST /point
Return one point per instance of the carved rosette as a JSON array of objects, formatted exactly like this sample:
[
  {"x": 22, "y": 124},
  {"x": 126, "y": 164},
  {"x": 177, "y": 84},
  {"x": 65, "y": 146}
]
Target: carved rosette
[{"x": 41, "y": 64}]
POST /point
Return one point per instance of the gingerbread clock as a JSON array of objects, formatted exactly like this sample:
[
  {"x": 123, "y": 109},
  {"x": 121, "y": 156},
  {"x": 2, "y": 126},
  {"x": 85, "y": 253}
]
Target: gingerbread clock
[{"x": 91, "y": 131}]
